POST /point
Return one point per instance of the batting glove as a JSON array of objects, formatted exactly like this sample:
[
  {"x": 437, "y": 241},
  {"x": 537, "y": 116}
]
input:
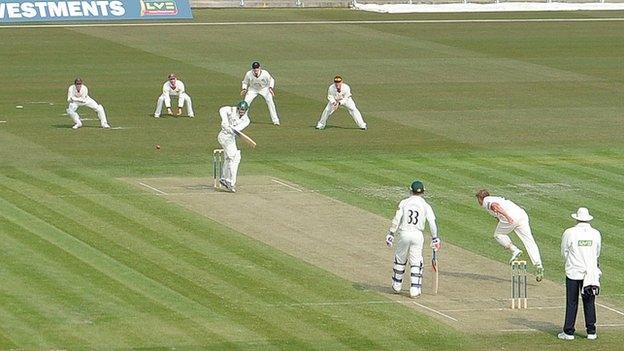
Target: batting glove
[
  {"x": 435, "y": 244},
  {"x": 389, "y": 239}
]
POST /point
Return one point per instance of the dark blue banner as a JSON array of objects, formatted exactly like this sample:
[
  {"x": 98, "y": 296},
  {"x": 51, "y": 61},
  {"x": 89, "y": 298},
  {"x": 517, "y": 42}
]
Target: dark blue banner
[{"x": 94, "y": 10}]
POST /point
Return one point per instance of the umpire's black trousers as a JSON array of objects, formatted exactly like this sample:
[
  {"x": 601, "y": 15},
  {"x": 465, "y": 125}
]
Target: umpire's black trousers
[{"x": 573, "y": 288}]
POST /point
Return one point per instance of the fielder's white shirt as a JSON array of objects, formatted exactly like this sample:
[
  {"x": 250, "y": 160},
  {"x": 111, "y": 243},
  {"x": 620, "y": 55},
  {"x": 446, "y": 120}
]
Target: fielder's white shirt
[
  {"x": 231, "y": 120},
  {"x": 263, "y": 81},
  {"x": 73, "y": 95},
  {"x": 176, "y": 90},
  {"x": 515, "y": 212},
  {"x": 580, "y": 246},
  {"x": 412, "y": 214},
  {"x": 333, "y": 95}
]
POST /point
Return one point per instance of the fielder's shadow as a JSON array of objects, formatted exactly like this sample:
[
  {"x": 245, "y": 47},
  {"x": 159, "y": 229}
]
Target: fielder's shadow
[{"x": 334, "y": 127}]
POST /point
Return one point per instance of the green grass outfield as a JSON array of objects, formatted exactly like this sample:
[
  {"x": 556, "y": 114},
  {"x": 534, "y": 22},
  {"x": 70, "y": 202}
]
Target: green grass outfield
[{"x": 531, "y": 110}]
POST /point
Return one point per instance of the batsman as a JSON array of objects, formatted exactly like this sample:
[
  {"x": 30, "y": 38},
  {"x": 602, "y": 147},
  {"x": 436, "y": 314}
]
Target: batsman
[{"x": 408, "y": 225}]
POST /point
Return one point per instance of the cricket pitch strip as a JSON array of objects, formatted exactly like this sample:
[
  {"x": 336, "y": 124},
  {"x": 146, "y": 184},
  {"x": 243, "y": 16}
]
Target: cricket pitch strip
[{"x": 474, "y": 291}]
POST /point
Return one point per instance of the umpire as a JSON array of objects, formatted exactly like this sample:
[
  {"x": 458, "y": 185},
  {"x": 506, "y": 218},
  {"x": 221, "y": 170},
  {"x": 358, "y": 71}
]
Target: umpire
[{"x": 580, "y": 246}]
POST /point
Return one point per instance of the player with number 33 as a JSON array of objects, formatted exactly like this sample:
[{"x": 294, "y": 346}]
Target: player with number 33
[{"x": 408, "y": 224}]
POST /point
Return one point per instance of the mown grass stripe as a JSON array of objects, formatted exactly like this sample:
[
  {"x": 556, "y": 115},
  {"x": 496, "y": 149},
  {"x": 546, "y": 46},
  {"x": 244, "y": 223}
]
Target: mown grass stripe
[
  {"x": 49, "y": 225},
  {"x": 101, "y": 297}
]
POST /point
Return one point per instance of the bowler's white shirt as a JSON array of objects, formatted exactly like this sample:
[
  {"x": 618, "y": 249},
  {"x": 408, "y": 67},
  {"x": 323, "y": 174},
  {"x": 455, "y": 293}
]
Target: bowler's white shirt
[
  {"x": 580, "y": 246},
  {"x": 73, "y": 95},
  {"x": 412, "y": 214},
  {"x": 263, "y": 81},
  {"x": 176, "y": 90},
  {"x": 333, "y": 95},
  {"x": 514, "y": 211},
  {"x": 230, "y": 119}
]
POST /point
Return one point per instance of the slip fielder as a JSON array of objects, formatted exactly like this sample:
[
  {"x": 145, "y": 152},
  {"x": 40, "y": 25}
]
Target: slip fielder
[
  {"x": 260, "y": 82},
  {"x": 174, "y": 87},
  {"x": 78, "y": 95},
  {"x": 409, "y": 223},
  {"x": 233, "y": 120},
  {"x": 339, "y": 94}
]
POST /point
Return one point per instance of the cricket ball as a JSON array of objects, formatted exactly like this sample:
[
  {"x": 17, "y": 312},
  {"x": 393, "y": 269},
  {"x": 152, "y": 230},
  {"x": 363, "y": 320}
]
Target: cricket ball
[{"x": 157, "y": 147}]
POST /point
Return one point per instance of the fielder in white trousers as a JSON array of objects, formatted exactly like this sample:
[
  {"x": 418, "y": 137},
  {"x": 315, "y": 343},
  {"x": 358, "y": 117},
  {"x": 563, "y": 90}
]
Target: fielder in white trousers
[
  {"x": 409, "y": 222},
  {"x": 339, "y": 94},
  {"x": 233, "y": 119},
  {"x": 260, "y": 82},
  {"x": 512, "y": 218},
  {"x": 174, "y": 87},
  {"x": 77, "y": 96}
]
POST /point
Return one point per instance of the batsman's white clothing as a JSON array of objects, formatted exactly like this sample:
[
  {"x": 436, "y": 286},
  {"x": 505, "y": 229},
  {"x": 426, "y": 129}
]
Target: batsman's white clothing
[
  {"x": 169, "y": 91},
  {"x": 409, "y": 222},
  {"x": 342, "y": 98},
  {"x": 77, "y": 98},
  {"x": 260, "y": 86},
  {"x": 520, "y": 226},
  {"x": 231, "y": 123}
]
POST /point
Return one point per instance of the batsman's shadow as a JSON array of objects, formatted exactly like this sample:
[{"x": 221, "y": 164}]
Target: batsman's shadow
[{"x": 198, "y": 187}]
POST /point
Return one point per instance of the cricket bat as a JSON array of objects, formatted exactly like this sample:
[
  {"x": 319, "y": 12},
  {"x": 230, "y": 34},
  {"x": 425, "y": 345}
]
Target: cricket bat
[
  {"x": 435, "y": 267},
  {"x": 247, "y": 139}
]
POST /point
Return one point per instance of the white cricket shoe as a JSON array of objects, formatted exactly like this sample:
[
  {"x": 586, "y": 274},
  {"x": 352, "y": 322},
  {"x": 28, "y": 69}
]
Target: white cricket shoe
[
  {"x": 414, "y": 292},
  {"x": 592, "y": 336},
  {"x": 320, "y": 127},
  {"x": 564, "y": 336},
  {"x": 515, "y": 255},
  {"x": 396, "y": 287},
  {"x": 105, "y": 126},
  {"x": 77, "y": 125},
  {"x": 156, "y": 116},
  {"x": 191, "y": 116}
]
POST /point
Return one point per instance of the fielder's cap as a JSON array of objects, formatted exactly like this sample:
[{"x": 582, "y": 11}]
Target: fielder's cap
[
  {"x": 255, "y": 64},
  {"x": 417, "y": 186},
  {"x": 582, "y": 214},
  {"x": 337, "y": 79}
]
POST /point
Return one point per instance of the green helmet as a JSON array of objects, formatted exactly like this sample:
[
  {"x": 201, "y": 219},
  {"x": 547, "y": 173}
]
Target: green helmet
[{"x": 243, "y": 105}]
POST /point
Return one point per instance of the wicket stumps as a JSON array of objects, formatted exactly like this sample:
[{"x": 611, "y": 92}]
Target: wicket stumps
[
  {"x": 217, "y": 167},
  {"x": 519, "y": 284}
]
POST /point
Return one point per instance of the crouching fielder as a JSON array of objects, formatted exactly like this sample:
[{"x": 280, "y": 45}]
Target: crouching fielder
[
  {"x": 78, "y": 95},
  {"x": 409, "y": 221},
  {"x": 233, "y": 120},
  {"x": 174, "y": 87},
  {"x": 339, "y": 94}
]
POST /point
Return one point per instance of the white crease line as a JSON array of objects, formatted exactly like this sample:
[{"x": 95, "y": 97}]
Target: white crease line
[
  {"x": 501, "y": 309},
  {"x": 610, "y": 309},
  {"x": 2, "y": 121},
  {"x": 156, "y": 190},
  {"x": 273, "y": 23},
  {"x": 40, "y": 102},
  {"x": 610, "y": 325},
  {"x": 435, "y": 311},
  {"x": 287, "y": 185},
  {"x": 338, "y": 303},
  {"x": 518, "y": 330}
]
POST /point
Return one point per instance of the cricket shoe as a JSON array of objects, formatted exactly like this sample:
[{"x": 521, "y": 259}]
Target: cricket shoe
[
  {"x": 396, "y": 287},
  {"x": 105, "y": 126},
  {"x": 564, "y": 336},
  {"x": 227, "y": 185},
  {"x": 276, "y": 124},
  {"x": 592, "y": 336},
  {"x": 156, "y": 116},
  {"x": 540, "y": 274},
  {"x": 515, "y": 255},
  {"x": 77, "y": 125},
  {"x": 320, "y": 127},
  {"x": 414, "y": 292},
  {"x": 191, "y": 116}
]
